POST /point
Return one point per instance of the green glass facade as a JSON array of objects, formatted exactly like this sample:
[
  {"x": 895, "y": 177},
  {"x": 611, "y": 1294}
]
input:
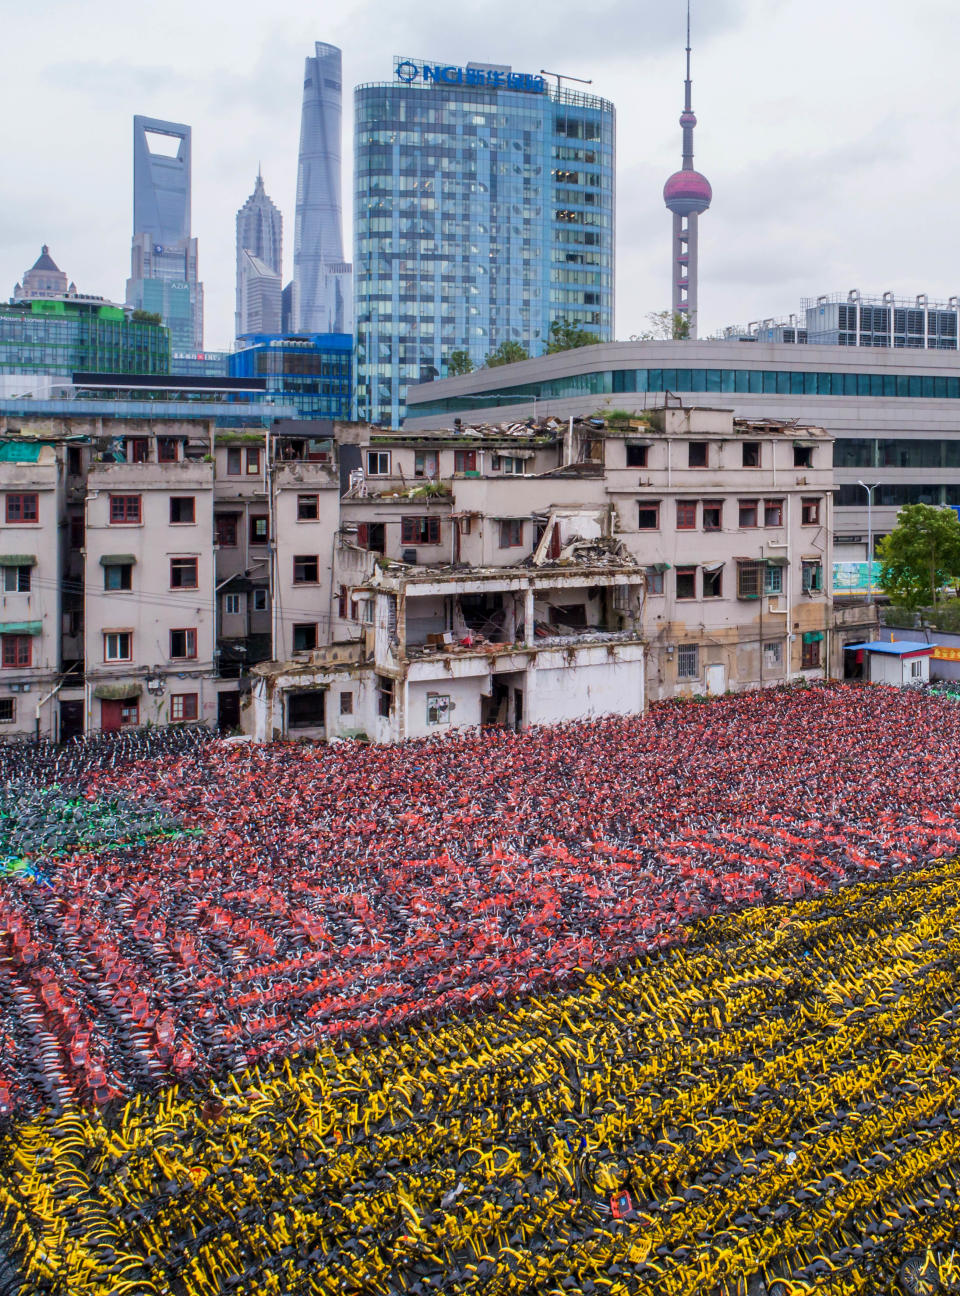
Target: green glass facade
[
  {"x": 481, "y": 215},
  {"x": 64, "y": 337},
  {"x": 770, "y": 382}
]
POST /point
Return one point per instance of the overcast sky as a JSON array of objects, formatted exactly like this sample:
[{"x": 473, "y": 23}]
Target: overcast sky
[{"x": 827, "y": 130}]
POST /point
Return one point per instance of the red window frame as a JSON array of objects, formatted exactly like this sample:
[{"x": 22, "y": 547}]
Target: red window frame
[
  {"x": 23, "y": 507},
  {"x": 234, "y": 462},
  {"x": 420, "y": 530},
  {"x": 253, "y": 461},
  {"x": 226, "y": 530},
  {"x": 810, "y": 511},
  {"x": 511, "y": 533},
  {"x": 17, "y": 651},
  {"x": 686, "y": 573},
  {"x": 773, "y": 512},
  {"x": 747, "y": 509},
  {"x": 648, "y": 506},
  {"x": 299, "y": 561},
  {"x": 184, "y": 706},
  {"x": 189, "y": 643},
  {"x": 166, "y": 449},
  {"x": 125, "y": 510},
  {"x": 711, "y": 506},
  {"x": 686, "y": 515},
  {"x": 464, "y": 461},
  {"x": 183, "y": 567}
]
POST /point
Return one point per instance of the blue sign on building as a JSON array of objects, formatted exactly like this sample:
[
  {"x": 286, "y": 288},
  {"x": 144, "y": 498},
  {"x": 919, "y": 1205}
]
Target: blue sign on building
[{"x": 489, "y": 78}]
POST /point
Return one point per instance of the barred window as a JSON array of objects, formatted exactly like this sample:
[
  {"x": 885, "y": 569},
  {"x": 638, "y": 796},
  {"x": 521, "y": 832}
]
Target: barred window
[{"x": 688, "y": 660}]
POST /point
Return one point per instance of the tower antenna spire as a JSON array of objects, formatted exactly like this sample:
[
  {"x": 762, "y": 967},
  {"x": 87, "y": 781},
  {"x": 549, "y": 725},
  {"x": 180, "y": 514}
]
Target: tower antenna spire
[{"x": 687, "y": 193}]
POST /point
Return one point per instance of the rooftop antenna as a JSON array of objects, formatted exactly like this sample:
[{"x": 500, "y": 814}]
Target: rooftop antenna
[{"x": 563, "y": 76}]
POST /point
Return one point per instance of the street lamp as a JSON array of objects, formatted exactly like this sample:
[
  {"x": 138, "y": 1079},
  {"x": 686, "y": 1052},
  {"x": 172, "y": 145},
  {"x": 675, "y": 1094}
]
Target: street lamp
[{"x": 869, "y": 489}]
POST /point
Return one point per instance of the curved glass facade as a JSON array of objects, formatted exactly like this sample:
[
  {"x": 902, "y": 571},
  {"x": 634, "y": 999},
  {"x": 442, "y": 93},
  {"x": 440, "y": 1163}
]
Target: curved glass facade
[
  {"x": 481, "y": 215},
  {"x": 770, "y": 382}
]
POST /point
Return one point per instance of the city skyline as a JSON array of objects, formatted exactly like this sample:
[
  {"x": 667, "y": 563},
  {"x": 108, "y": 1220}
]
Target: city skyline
[{"x": 790, "y": 159}]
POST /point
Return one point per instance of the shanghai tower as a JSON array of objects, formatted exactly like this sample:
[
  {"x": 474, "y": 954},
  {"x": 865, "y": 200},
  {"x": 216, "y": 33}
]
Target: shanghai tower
[{"x": 323, "y": 289}]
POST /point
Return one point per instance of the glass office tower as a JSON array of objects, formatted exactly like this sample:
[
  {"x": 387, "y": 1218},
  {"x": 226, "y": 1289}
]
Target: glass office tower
[{"x": 483, "y": 211}]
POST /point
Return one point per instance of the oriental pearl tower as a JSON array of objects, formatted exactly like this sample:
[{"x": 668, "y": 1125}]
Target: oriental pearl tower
[{"x": 687, "y": 193}]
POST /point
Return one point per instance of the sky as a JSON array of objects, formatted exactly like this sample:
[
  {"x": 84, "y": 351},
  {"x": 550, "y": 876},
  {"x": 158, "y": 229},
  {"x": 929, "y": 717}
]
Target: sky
[{"x": 827, "y": 130}]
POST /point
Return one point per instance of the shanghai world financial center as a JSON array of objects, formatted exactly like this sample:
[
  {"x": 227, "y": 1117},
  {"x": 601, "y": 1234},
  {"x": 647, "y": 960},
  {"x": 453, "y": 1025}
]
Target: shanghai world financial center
[{"x": 484, "y": 212}]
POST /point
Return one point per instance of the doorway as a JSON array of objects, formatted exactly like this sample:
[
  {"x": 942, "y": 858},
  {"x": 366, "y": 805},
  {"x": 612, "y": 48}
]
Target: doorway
[
  {"x": 71, "y": 720},
  {"x": 228, "y": 710}
]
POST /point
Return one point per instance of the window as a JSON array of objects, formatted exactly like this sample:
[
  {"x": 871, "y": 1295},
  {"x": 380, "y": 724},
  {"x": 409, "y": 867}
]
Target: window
[
  {"x": 686, "y": 515},
  {"x": 118, "y": 576},
  {"x": 308, "y": 508},
  {"x": 23, "y": 508},
  {"x": 511, "y": 533},
  {"x": 17, "y": 650},
  {"x": 226, "y": 530},
  {"x": 438, "y": 708},
  {"x": 168, "y": 449},
  {"x": 773, "y": 579},
  {"x": 130, "y": 712},
  {"x": 231, "y": 604},
  {"x": 253, "y": 461},
  {"x": 138, "y": 450},
  {"x": 648, "y": 515},
  {"x": 306, "y": 569},
  {"x": 749, "y": 579},
  {"x": 305, "y": 636},
  {"x": 916, "y": 669},
  {"x": 124, "y": 510},
  {"x": 686, "y": 582},
  {"x": 184, "y": 706},
  {"x": 751, "y": 454},
  {"x": 811, "y": 575},
  {"x": 234, "y": 462},
  {"x": 183, "y": 573},
  {"x": 425, "y": 464},
  {"x": 713, "y": 515},
  {"x": 385, "y": 699},
  {"x": 810, "y": 511},
  {"x": 118, "y": 646},
  {"x": 183, "y": 643},
  {"x": 773, "y": 512},
  {"x": 654, "y": 580},
  {"x": 697, "y": 454},
  {"x": 464, "y": 461},
  {"x": 346, "y": 704},
  {"x": 688, "y": 660},
  {"x": 16, "y": 580},
  {"x": 8, "y": 712},
  {"x": 713, "y": 582},
  {"x": 748, "y": 513},
  {"x": 802, "y": 456},
  {"x": 74, "y": 461},
  {"x": 307, "y": 710},
  {"x": 810, "y": 652},
  {"x": 259, "y": 529},
  {"x": 637, "y": 455},
  {"x": 420, "y": 530},
  {"x": 378, "y": 463},
  {"x": 77, "y": 531},
  {"x": 773, "y": 655},
  {"x": 183, "y": 510},
  {"x": 259, "y": 600}
]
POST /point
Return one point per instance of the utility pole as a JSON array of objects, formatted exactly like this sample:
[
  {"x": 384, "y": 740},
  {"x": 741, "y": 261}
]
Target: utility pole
[{"x": 869, "y": 489}]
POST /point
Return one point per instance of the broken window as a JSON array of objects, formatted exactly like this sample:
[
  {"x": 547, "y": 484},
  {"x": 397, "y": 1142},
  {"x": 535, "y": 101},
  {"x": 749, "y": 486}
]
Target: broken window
[
  {"x": 697, "y": 454},
  {"x": 648, "y": 515},
  {"x": 748, "y": 513},
  {"x": 811, "y": 576},
  {"x": 773, "y": 512},
  {"x": 802, "y": 456},
  {"x": 346, "y": 704},
  {"x": 385, "y": 700},
  {"x": 637, "y": 455},
  {"x": 307, "y": 709},
  {"x": 751, "y": 454},
  {"x": 713, "y": 515},
  {"x": 713, "y": 582},
  {"x": 305, "y": 636},
  {"x": 810, "y": 512},
  {"x": 686, "y": 582}
]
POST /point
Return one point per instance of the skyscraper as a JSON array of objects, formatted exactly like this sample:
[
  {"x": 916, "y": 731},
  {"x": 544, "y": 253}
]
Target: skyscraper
[
  {"x": 687, "y": 193},
  {"x": 163, "y": 260},
  {"x": 322, "y": 296},
  {"x": 259, "y": 264},
  {"x": 484, "y": 211}
]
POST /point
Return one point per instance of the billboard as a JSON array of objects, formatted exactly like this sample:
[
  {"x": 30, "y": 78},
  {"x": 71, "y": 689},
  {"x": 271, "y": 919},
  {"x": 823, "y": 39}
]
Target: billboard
[{"x": 851, "y": 578}]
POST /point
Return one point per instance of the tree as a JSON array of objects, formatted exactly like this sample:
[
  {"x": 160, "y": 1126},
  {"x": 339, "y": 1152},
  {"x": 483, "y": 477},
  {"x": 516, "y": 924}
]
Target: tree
[
  {"x": 508, "y": 352},
  {"x": 145, "y": 317},
  {"x": 565, "y": 336},
  {"x": 665, "y": 326},
  {"x": 920, "y": 555},
  {"x": 458, "y": 362}
]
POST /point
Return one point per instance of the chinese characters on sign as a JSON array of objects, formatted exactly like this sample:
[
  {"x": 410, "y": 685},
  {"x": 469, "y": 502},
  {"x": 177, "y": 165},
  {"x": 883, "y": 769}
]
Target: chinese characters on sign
[
  {"x": 946, "y": 654},
  {"x": 489, "y": 78}
]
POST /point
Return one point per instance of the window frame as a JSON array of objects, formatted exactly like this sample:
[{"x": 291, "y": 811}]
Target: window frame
[
  {"x": 261, "y": 595},
  {"x": 688, "y": 654},
  {"x": 346, "y": 702},
  {"x": 711, "y": 505},
  {"x": 121, "y": 512},
  {"x": 118, "y": 635},
  {"x": 687, "y": 518},
  {"x": 510, "y": 533},
  {"x": 16, "y": 651},
  {"x": 126, "y": 570},
  {"x": 179, "y": 702},
  {"x": 807, "y": 503},
  {"x": 811, "y": 655},
  {"x": 183, "y": 499},
  {"x": 232, "y": 605},
  {"x": 773, "y": 507},
  {"x": 747, "y": 506},
  {"x": 218, "y": 523},
  {"x": 648, "y": 506},
  {"x": 423, "y": 530},
  {"x": 637, "y": 456},
  {"x": 299, "y": 627},
  {"x": 694, "y": 451},
  {"x": 380, "y": 456},
  {"x": 234, "y": 461},
  {"x": 464, "y": 461},
  {"x": 190, "y": 637},
  {"x": 711, "y": 583},
  {"x": 308, "y": 500},
  {"x": 8, "y": 703},
  {"x": 252, "y": 464},
  {"x": 811, "y": 575},
  {"x": 754, "y": 447},
  {"x": 183, "y": 566},
  {"x": 686, "y": 571},
  {"x": 255, "y": 541},
  {"x": 298, "y": 561},
  {"x": 17, "y": 580},
  {"x": 18, "y": 515}
]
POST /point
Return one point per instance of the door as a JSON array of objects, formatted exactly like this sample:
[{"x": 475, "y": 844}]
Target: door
[
  {"x": 71, "y": 720},
  {"x": 111, "y": 716},
  {"x": 228, "y": 710},
  {"x": 716, "y": 680}
]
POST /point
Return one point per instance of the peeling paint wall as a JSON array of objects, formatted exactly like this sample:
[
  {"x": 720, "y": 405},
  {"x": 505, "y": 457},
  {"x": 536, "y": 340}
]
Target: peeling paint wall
[{"x": 583, "y": 683}]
